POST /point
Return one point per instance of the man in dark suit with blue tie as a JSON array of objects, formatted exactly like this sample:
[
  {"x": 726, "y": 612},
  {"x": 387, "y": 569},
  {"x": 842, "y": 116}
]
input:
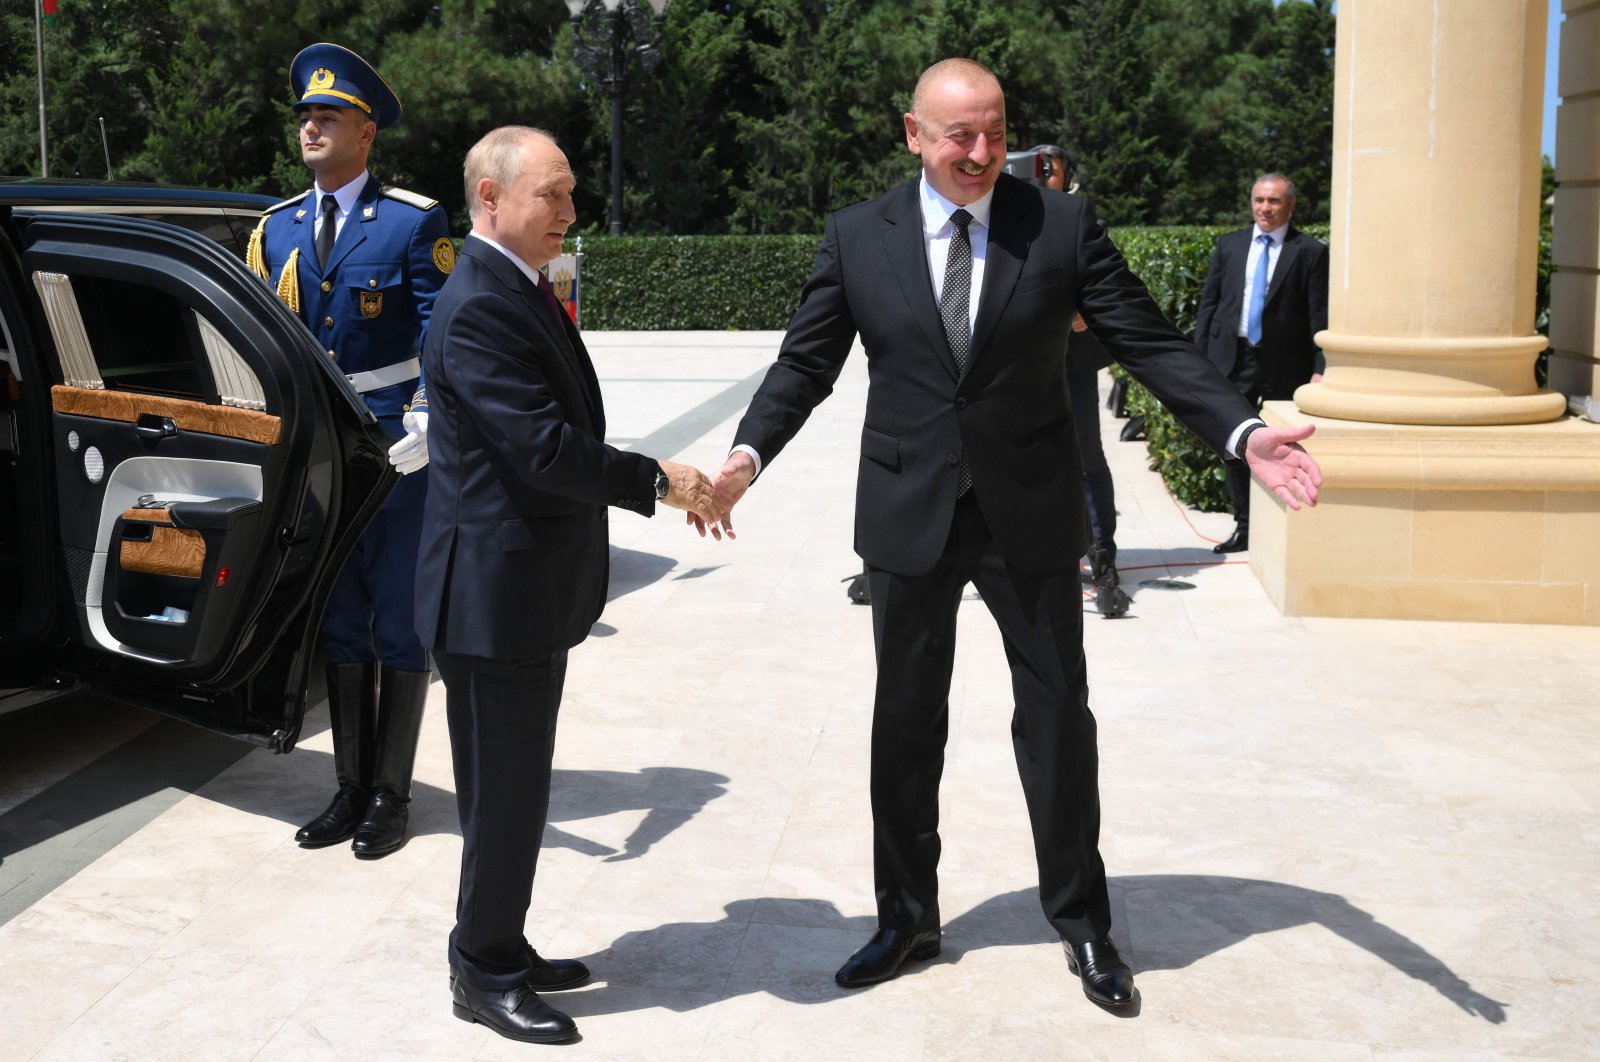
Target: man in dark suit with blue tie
[
  {"x": 362, "y": 263},
  {"x": 961, "y": 286},
  {"x": 1264, "y": 301},
  {"x": 514, "y": 561}
]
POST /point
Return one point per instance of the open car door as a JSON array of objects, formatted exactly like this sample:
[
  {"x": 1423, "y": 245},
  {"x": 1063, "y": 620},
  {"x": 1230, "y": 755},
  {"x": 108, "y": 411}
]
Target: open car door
[{"x": 212, "y": 470}]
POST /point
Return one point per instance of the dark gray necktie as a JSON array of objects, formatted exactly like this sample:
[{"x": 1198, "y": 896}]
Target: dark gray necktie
[
  {"x": 329, "y": 229},
  {"x": 957, "y": 293},
  {"x": 954, "y": 299}
]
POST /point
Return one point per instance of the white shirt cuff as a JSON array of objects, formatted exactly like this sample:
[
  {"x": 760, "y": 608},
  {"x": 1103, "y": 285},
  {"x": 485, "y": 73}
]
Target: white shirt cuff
[
  {"x": 1233, "y": 440},
  {"x": 753, "y": 456}
]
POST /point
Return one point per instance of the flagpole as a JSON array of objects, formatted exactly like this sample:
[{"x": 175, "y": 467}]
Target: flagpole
[{"x": 38, "y": 34}]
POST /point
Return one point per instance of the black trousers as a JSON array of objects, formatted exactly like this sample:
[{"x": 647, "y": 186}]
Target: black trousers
[
  {"x": 1052, "y": 730},
  {"x": 1246, "y": 378},
  {"x": 1083, "y": 394},
  {"x": 502, "y": 716}
]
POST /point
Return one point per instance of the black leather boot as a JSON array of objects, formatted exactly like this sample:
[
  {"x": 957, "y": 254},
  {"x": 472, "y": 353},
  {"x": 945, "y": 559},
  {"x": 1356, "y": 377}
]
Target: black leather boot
[
  {"x": 1109, "y": 597},
  {"x": 352, "y": 712},
  {"x": 401, "y": 697}
]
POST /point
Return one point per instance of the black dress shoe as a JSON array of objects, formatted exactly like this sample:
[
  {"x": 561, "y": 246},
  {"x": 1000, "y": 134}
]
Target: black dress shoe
[
  {"x": 546, "y": 975},
  {"x": 881, "y": 957},
  {"x": 552, "y": 975},
  {"x": 516, "y": 1014},
  {"x": 1107, "y": 980},
  {"x": 1237, "y": 542},
  {"x": 339, "y": 822},
  {"x": 383, "y": 829}
]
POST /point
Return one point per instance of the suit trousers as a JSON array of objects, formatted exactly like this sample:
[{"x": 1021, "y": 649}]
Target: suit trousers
[
  {"x": 1040, "y": 617},
  {"x": 502, "y": 716},
  {"x": 1083, "y": 394},
  {"x": 1246, "y": 377}
]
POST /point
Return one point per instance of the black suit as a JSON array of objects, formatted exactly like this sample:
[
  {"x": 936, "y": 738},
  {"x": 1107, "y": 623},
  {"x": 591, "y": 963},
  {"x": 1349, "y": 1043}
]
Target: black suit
[
  {"x": 1296, "y": 309},
  {"x": 512, "y": 571},
  {"x": 1017, "y": 534}
]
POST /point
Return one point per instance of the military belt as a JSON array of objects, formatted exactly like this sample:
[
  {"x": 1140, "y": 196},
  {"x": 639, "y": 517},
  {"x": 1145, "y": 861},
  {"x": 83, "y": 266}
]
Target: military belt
[{"x": 388, "y": 376}]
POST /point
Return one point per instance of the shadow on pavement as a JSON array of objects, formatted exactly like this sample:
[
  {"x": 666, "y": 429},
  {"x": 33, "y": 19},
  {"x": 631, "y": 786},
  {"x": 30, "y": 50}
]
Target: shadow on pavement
[{"x": 1216, "y": 913}]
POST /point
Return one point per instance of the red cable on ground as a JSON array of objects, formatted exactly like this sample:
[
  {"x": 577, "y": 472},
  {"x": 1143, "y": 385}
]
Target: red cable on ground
[{"x": 1184, "y": 512}]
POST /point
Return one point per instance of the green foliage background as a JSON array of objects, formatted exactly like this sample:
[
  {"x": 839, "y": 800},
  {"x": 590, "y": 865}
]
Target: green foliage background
[{"x": 763, "y": 116}]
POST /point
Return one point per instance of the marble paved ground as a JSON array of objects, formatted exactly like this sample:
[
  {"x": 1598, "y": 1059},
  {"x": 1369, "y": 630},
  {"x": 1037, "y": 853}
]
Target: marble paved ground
[{"x": 1327, "y": 839}]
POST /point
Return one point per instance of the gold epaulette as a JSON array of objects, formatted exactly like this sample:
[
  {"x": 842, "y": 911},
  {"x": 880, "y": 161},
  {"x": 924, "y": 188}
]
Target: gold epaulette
[
  {"x": 289, "y": 282},
  {"x": 401, "y": 195},
  {"x": 255, "y": 256}
]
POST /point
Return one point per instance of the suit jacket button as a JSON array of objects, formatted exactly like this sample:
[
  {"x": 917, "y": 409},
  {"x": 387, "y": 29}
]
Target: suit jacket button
[
  {"x": 952, "y": 459},
  {"x": 327, "y": 285},
  {"x": 327, "y": 322},
  {"x": 331, "y": 354},
  {"x": 961, "y": 403}
]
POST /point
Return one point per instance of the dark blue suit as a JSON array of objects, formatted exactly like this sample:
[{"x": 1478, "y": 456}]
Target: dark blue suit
[
  {"x": 369, "y": 308},
  {"x": 512, "y": 572}
]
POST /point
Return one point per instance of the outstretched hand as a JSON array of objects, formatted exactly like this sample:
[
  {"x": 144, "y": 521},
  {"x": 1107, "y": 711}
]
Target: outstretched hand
[
  {"x": 690, "y": 491},
  {"x": 1282, "y": 465},
  {"x": 732, "y": 481}
]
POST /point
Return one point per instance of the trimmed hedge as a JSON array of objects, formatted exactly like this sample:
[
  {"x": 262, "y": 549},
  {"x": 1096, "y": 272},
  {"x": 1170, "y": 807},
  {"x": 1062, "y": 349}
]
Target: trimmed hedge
[{"x": 694, "y": 282}]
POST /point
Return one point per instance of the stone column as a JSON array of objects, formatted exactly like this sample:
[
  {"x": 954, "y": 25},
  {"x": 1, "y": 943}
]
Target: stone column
[
  {"x": 1435, "y": 232},
  {"x": 1453, "y": 488},
  {"x": 1575, "y": 246}
]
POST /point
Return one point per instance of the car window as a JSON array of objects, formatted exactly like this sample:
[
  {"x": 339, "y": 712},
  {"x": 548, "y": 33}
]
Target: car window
[
  {"x": 140, "y": 337},
  {"x": 121, "y": 336}
]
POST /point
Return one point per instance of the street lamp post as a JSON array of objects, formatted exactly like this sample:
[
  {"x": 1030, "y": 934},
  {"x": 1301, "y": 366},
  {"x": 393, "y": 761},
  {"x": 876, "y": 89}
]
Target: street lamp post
[{"x": 616, "y": 46}]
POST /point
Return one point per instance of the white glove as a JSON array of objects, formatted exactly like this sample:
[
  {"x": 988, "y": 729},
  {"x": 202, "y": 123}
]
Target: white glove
[{"x": 411, "y": 453}]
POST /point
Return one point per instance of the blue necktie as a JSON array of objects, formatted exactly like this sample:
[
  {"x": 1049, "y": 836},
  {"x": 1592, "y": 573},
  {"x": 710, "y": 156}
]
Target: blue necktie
[{"x": 1258, "y": 292}]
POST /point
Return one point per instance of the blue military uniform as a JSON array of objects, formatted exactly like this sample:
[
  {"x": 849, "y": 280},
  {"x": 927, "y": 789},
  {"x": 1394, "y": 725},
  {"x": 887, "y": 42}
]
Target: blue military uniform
[
  {"x": 369, "y": 307},
  {"x": 368, "y": 304}
]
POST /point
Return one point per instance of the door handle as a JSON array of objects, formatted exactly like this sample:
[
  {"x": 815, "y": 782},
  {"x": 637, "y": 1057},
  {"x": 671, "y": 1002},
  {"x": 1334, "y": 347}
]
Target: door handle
[{"x": 153, "y": 427}]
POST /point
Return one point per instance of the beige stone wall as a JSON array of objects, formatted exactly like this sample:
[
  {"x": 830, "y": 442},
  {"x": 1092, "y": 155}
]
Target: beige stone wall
[{"x": 1575, "y": 243}]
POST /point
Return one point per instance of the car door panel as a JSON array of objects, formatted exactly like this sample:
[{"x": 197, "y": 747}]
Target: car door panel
[{"x": 212, "y": 471}]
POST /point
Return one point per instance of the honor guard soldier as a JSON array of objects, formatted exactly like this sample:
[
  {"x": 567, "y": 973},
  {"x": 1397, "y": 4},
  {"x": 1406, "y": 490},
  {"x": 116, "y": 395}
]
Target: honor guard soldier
[{"x": 362, "y": 263}]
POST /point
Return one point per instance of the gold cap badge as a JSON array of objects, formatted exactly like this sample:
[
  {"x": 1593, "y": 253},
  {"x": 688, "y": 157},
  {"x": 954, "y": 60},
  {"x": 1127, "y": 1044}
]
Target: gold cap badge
[{"x": 321, "y": 80}]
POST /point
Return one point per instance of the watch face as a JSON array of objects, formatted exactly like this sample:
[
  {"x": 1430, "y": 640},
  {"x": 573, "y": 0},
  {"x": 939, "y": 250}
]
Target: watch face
[{"x": 663, "y": 486}]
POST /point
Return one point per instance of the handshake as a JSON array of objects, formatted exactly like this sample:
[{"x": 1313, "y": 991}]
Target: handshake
[{"x": 708, "y": 503}]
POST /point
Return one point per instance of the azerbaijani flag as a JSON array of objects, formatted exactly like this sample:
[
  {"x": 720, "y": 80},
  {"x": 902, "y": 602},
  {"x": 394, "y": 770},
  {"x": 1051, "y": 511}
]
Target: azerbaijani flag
[{"x": 47, "y": 8}]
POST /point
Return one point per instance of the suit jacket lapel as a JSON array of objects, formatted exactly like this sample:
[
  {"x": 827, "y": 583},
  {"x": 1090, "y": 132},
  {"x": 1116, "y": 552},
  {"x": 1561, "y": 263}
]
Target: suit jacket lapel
[
  {"x": 1291, "y": 247},
  {"x": 1008, "y": 250},
  {"x": 555, "y": 337},
  {"x": 1233, "y": 290},
  {"x": 908, "y": 260},
  {"x": 591, "y": 382}
]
